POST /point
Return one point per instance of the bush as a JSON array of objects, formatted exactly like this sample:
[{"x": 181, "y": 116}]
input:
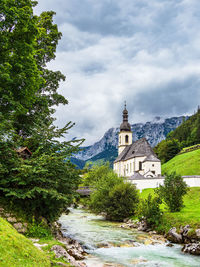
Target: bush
[
  {"x": 172, "y": 191},
  {"x": 39, "y": 230},
  {"x": 149, "y": 209},
  {"x": 123, "y": 201},
  {"x": 112, "y": 196}
]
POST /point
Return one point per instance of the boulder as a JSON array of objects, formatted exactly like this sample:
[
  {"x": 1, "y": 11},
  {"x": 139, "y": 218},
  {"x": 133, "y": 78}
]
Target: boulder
[
  {"x": 75, "y": 253},
  {"x": 18, "y": 226},
  {"x": 142, "y": 226},
  {"x": 184, "y": 232},
  {"x": 197, "y": 231},
  {"x": 174, "y": 237},
  {"x": 192, "y": 248},
  {"x": 12, "y": 219},
  {"x": 61, "y": 252}
]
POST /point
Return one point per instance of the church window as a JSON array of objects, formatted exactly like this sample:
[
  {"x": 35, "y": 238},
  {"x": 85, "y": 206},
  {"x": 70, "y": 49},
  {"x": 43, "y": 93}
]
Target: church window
[
  {"x": 153, "y": 172},
  {"x": 127, "y": 167},
  {"x": 140, "y": 165},
  {"x": 120, "y": 139},
  {"x": 126, "y": 138},
  {"x": 152, "y": 165}
]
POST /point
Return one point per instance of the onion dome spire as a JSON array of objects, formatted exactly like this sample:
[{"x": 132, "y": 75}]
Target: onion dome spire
[{"x": 125, "y": 126}]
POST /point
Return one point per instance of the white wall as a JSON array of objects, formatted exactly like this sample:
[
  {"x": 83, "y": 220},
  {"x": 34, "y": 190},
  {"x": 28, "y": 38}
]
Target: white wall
[
  {"x": 191, "y": 181},
  {"x": 152, "y": 166}
]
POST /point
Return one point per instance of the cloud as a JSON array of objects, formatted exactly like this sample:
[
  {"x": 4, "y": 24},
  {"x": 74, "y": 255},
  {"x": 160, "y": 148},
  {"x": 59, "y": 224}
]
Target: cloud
[{"x": 145, "y": 52}]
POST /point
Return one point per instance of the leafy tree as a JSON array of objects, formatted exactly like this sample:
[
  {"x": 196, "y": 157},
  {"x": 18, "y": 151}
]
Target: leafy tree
[
  {"x": 95, "y": 173},
  {"x": 44, "y": 184},
  {"x": 167, "y": 149},
  {"x": 172, "y": 191},
  {"x": 116, "y": 198},
  {"x": 149, "y": 209},
  {"x": 20, "y": 77}
]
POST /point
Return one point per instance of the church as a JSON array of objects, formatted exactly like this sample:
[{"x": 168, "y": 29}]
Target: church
[{"x": 135, "y": 160}]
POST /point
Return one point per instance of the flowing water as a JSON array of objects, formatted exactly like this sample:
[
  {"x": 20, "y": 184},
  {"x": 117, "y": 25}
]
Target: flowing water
[{"x": 110, "y": 245}]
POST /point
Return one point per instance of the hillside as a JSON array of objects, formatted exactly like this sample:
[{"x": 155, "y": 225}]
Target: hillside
[
  {"x": 16, "y": 250},
  {"x": 184, "y": 164},
  {"x": 187, "y": 134},
  {"x": 106, "y": 148}
]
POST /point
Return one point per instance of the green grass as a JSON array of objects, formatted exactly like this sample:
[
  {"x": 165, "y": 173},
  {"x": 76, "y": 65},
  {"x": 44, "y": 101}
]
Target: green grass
[
  {"x": 17, "y": 251},
  {"x": 184, "y": 164},
  {"x": 190, "y": 214}
]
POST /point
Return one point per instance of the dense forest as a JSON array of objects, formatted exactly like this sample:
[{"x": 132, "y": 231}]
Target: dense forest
[{"x": 187, "y": 134}]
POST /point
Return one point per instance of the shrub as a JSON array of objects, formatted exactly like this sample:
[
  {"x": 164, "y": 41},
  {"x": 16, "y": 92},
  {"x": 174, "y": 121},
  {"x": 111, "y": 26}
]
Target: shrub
[
  {"x": 39, "y": 230},
  {"x": 149, "y": 209},
  {"x": 172, "y": 191},
  {"x": 112, "y": 196},
  {"x": 123, "y": 201}
]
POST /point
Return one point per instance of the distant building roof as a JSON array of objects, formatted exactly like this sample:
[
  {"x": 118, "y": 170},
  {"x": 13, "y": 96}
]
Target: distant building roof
[
  {"x": 24, "y": 152},
  {"x": 141, "y": 148}
]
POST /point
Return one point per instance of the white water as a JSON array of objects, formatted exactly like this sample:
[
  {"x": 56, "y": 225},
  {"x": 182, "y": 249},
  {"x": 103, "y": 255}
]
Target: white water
[{"x": 126, "y": 247}]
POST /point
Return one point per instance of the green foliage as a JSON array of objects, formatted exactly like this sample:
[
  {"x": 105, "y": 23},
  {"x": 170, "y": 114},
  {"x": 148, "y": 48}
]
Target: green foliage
[
  {"x": 16, "y": 250},
  {"x": 149, "y": 209},
  {"x": 39, "y": 230},
  {"x": 184, "y": 164},
  {"x": 95, "y": 173},
  {"x": 172, "y": 191},
  {"x": 45, "y": 184},
  {"x": 167, "y": 149},
  {"x": 112, "y": 196},
  {"x": 187, "y": 134},
  {"x": 189, "y": 214}
]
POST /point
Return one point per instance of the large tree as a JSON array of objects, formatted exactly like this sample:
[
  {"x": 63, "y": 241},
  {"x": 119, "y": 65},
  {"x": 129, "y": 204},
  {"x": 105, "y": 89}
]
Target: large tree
[{"x": 45, "y": 183}]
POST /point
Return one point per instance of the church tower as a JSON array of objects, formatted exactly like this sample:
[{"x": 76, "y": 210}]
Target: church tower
[{"x": 125, "y": 134}]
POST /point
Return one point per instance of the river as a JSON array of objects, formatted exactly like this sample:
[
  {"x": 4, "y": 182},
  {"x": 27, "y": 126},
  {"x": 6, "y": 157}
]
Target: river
[{"x": 110, "y": 245}]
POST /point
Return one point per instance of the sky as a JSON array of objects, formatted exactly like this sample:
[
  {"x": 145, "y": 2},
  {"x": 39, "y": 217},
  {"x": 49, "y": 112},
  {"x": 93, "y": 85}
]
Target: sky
[{"x": 144, "y": 52}]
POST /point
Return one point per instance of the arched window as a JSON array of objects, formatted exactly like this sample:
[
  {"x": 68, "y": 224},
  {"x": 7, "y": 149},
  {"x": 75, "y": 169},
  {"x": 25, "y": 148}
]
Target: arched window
[
  {"x": 120, "y": 139},
  {"x": 126, "y": 138}
]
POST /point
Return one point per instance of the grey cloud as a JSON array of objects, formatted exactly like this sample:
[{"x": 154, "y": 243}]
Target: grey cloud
[
  {"x": 145, "y": 52},
  {"x": 174, "y": 98}
]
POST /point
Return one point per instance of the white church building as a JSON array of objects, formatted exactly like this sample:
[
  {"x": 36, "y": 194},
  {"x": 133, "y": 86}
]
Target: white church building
[
  {"x": 135, "y": 160},
  {"x": 138, "y": 162}
]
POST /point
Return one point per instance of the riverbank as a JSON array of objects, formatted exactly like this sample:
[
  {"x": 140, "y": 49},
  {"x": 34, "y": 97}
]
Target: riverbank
[{"x": 25, "y": 243}]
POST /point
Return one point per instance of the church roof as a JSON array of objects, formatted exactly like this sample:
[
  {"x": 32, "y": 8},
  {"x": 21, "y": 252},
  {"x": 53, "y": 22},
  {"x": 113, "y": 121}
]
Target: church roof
[
  {"x": 136, "y": 175},
  {"x": 141, "y": 148}
]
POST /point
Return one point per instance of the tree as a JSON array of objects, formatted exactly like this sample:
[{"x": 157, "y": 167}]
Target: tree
[
  {"x": 167, "y": 149},
  {"x": 172, "y": 191},
  {"x": 113, "y": 196},
  {"x": 149, "y": 209},
  {"x": 46, "y": 183},
  {"x": 95, "y": 173}
]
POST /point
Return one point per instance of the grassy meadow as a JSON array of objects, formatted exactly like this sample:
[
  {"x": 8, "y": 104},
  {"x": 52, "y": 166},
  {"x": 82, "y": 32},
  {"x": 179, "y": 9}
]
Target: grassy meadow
[
  {"x": 184, "y": 164},
  {"x": 190, "y": 214}
]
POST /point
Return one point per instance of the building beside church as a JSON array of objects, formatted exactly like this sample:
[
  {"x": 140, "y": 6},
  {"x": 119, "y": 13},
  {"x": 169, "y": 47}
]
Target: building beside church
[{"x": 135, "y": 160}]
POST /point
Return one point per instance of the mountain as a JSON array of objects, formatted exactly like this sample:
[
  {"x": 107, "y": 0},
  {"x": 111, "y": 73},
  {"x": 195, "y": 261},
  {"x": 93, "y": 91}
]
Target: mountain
[{"x": 106, "y": 148}]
